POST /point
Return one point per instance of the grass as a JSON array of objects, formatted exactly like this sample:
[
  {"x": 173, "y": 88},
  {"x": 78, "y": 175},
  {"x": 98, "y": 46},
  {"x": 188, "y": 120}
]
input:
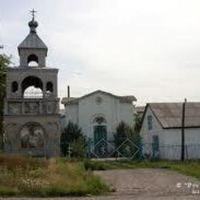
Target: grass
[
  {"x": 22, "y": 176},
  {"x": 190, "y": 168},
  {"x": 25, "y": 176}
]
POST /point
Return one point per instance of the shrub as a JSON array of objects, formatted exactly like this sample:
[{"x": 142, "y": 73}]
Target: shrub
[
  {"x": 127, "y": 141},
  {"x": 123, "y": 131},
  {"x": 4, "y": 62},
  {"x": 73, "y": 140},
  {"x": 78, "y": 148},
  {"x": 94, "y": 165},
  {"x": 138, "y": 123}
]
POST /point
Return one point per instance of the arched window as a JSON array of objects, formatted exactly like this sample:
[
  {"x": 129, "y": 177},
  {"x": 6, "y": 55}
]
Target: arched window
[
  {"x": 32, "y": 60},
  {"x": 99, "y": 120},
  {"x": 32, "y": 87},
  {"x": 14, "y": 86}
]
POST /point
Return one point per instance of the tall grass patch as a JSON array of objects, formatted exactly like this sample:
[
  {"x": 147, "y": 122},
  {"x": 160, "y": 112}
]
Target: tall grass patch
[{"x": 23, "y": 176}]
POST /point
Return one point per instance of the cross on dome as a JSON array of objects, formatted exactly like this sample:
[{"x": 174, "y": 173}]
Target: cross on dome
[
  {"x": 33, "y": 13},
  {"x": 33, "y": 24}
]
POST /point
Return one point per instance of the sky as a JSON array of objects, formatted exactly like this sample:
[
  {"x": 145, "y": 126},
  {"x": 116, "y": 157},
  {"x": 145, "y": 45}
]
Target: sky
[{"x": 149, "y": 49}]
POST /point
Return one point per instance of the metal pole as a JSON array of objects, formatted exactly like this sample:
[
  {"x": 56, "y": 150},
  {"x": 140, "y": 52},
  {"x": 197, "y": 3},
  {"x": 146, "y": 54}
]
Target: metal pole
[
  {"x": 68, "y": 91},
  {"x": 183, "y": 132}
]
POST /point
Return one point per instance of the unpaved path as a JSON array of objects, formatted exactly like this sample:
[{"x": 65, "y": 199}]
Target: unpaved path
[
  {"x": 151, "y": 184},
  {"x": 145, "y": 184}
]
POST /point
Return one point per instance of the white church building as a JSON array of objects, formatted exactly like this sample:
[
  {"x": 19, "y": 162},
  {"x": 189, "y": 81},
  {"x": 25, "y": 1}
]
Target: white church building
[{"x": 99, "y": 113}]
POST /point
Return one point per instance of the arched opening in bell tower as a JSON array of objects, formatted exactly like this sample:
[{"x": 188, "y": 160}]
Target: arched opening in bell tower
[
  {"x": 32, "y": 60},
  {"x": 49, "y": 88},
  {"x": 14, "y": 86},
  {"x": 32, "y": 87}
]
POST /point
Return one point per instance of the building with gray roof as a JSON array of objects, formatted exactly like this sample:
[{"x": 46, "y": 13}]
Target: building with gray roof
[{"x": 161, "y": 130}]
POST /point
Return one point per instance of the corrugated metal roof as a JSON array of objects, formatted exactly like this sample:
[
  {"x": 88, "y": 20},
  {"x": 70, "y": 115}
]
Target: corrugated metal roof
[
  {"x": 170, "y": 114},
  {"x": 32, "y": 41}
]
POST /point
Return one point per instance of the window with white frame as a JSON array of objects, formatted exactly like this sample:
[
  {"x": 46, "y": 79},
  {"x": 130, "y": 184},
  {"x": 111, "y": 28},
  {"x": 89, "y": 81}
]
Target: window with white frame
[{"x": 150, "y": 122}]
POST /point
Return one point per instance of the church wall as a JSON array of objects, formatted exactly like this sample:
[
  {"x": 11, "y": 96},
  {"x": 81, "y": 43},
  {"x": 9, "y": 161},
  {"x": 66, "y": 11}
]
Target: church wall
[
  {"x": 89, "y": 109},
  {"x": 49, "y": 124},
  {"x": 71, "y": 114},
  {"x": 110, "y": 108}
]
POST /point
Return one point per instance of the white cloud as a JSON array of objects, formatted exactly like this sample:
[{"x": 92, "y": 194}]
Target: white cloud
[{"x": 146, "y": 48}]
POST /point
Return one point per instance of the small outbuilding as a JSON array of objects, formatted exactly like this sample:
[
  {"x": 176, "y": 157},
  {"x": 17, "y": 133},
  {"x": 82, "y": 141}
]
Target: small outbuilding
[{"x": 161, "y": 130}]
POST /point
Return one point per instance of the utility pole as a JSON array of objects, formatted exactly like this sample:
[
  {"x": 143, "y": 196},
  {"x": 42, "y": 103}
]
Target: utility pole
[
  {"x": 183, "y": 131},
  {"x": 68, "y": 91}
]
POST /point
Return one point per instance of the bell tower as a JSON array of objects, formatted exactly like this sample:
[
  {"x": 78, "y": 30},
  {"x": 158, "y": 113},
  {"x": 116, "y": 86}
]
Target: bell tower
[
  {"x": 32, "y": 48},
  {"x": 31, "y": 115}
]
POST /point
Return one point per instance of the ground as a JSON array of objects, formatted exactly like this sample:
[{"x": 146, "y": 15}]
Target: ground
[
  {"x": 144, "y": 184},
  {"x": 150, "y": 184}
]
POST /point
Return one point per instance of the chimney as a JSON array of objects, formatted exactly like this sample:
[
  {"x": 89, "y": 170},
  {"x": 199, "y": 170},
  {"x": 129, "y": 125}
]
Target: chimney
[{"x": 68, "y": 91}]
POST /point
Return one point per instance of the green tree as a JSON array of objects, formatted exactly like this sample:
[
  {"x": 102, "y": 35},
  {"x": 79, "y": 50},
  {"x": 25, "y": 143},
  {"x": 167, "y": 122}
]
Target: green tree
[
  {"x": 127, "y": 141},
  {"x": 73, "y": 138},
  {"x": 78, "y": 148},
  {"x": 123, "y": 132},
  {"x": 138, "y": 123},
  {"x": 4, "y": 62}
]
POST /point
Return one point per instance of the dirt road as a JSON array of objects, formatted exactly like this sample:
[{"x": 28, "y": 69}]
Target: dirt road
[
  {"x": 145, "y": 184},
  {"x": 150, "y": 184}
]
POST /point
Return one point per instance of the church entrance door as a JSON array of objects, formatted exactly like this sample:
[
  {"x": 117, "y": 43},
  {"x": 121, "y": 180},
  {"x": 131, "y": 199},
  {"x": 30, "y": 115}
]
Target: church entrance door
[{"x": 100, "y": 140}]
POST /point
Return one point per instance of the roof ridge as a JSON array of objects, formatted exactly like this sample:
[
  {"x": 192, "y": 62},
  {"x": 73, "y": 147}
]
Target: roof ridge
[
  {"x": 170, "y": 116},
  {"x": 131, "y": 97},
  {"x": 32, "y": 40}
]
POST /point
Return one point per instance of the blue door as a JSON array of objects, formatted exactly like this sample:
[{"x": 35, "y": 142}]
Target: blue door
[
  {"x": 100, "y": 138},
  {"x": 155, "y": 146}
]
